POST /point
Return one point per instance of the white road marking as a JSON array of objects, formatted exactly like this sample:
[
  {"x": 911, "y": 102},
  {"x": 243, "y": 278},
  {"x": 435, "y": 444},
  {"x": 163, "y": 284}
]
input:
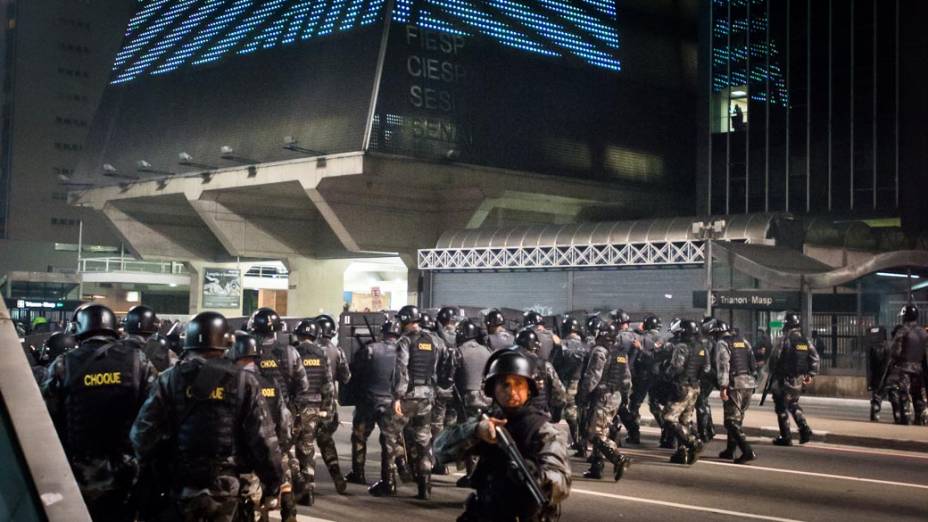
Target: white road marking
[
  {"x": 868, "y": 451},
  {"x": 275, "y": 515},
  {"x": 788, "y": 471},
  {"x": 704, "y": 509},
  {"x": 813, "y": 474}
]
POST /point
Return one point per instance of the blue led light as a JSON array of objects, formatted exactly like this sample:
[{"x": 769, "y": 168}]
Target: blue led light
[
  {"x": 216, "y": 26},
  {"x": 167, "y": 34}
]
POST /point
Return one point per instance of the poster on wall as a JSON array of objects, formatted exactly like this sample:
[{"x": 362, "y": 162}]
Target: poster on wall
[{"x": 222, "y": 288}]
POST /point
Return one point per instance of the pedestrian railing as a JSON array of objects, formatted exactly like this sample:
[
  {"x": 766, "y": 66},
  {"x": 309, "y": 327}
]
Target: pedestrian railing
[{"x": 122, "y": 264}]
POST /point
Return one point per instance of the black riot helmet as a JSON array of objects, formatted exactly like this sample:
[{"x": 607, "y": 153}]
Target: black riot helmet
[
  {"x": 607, "y": 332},
  {"x": 93, "y": 319},
  {"x": 651, "y": 322},
  {"x": 684, "y": 328},
  {"x": 791, "y": 321},
  {"x": 593, "y": 324},
  {"x": 207, "y": 331},
  {"x": 528, "y": 339},
  {"x": 722, "y": 329},
  {"x": 306, "y": 329},
  {"x": 620, "y": 317},
  {"x": 246, "y": 345},
  {"x": 709, "y": 325},
  {"x": 264, "y": 321},
  {"x": 532, "y": 318},
  {"x": 390, "y": 329},
  {"x": 494, "y": 318},
  {"x": 466, "y": 331},
  {"x": 569, "y": 325},
  {"x": 448, "y": 315},
  {"x": 58, "y": 343},
  {"x": 326, "y": 326},
  {"x": 508, "y": 362},
  {"x": 141, "y": 320},
  {"x": 408, "y": 314},
  {"x": 908, "y": 313},
  {"x": 427, "y": 322}
]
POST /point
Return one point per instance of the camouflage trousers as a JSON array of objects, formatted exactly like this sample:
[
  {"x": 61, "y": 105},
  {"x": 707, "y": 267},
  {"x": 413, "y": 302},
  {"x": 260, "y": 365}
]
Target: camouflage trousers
[
  {"x": 679, "y": 412},
  {"x": 572, "y": 411},
  {"x": 307, "y": 426},
  {"x": 738, "y": 402},
  {"x": 444, "y": 414},
  {"x": 325, "y": 439},
  {"x": 786, "y": 392},
  {"x": 105, "y": 484},
  {"x": 906, "y": 390},
  {"x": 603, "y": 408},
  {"x": 416, "y": 426},
  {"x": 366, "y": 416}
]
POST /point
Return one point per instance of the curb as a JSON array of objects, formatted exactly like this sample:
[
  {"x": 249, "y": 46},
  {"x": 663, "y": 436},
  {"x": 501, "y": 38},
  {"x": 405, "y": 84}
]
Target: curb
[{"x": 824, "y": 436}]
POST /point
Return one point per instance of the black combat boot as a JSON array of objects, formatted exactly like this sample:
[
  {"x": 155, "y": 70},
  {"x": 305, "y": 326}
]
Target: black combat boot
[
  {"x": 463, "y": 482},
  {"x": 619, "y": 462},
  {"x": 340, "y": 484},
  {"x": 805, "y": 433},
  {"x": 729, "y": 452},
  {"x": 679, "y": 456},
  {"x": 595, "y": 471},
  {"x": 875, "y": 408},
  {"x": 439, "y": 469},
  {"x": 747, "y": 452},
  {"x": 634, "y": 437},
  {"x": 424, "y": 483},
  {"x": 785, "y": 438},
  {"x": 667, "y": 438},
  {"x": 385, "y": 487},
  {"x": 288, "y": 505},
  {"x": 693, "y": 449},
  {"x": 581, "y": 450},
  {"x": 356, "y": 476}
]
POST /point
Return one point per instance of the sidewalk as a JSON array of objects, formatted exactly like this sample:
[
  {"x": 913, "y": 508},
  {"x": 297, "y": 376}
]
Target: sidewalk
[{"x": 762, "y": 422}]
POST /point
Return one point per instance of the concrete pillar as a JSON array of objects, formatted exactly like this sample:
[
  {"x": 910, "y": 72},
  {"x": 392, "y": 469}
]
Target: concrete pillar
[
  {"x": 197, "y": 272},
  {"x": 316, "y": 286}
]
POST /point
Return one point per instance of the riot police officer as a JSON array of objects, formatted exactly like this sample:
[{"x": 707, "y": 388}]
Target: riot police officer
[
  {"x": 569, "y": 360},
  {"x": 444, "y": 380},
  {"x": 709, "y": 339},
  {"x": 643, "y": 376},
  {"x": 93, "y": 393},
  {"x": 449, "y": 318},
  {"x": 877, "y": 359},
  {"x": 689, "y": 362},
  {"x": 341, "y": 374},
  {"x": 319, "y": 407},
  {"x": 629, "y": 346},
  {"x": 737, "y": 371},
  {"x": 498, "y": 497},
  {"x": 551, "y": 396},
  {"x": 246, "y": 354},
  {"x": 498, "y": 337},
  {"x": 471, "y": 361},
  {"x": 413, "y": 393},
  {"x": 57, "y": 344},
  {"x": 209, "y": 417},
  {"x": 794, "y": 363},
  {"x": 141, "y": 327},
  {"x": 907, "y": 367},
  {"x": 606, "y": 376},
  {"x": 592, "y": 326},
  {"x": 546, "y": 338}
]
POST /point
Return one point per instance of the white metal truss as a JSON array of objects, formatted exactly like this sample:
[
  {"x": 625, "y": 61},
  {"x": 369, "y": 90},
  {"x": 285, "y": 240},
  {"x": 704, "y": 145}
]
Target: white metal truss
[{"x": 579, "y": 256}]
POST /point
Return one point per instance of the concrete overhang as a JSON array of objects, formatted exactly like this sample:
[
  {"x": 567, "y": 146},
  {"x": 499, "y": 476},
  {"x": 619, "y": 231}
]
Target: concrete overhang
[{"x": 343, "y": 205}]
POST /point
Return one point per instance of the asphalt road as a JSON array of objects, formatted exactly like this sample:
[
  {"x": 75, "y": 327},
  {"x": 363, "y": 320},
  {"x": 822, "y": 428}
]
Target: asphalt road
[{"x": 817, "y": 482}]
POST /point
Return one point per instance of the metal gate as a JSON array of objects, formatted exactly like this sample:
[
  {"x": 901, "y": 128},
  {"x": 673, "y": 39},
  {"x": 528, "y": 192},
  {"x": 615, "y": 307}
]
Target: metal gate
[{"x": 839, "y": 340}]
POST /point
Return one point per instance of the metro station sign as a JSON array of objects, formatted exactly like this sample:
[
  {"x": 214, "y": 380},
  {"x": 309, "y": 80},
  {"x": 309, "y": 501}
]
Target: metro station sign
[{"x": 749, "y": 299}]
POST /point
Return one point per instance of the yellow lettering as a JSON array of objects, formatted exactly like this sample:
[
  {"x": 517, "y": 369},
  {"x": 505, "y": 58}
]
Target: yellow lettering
[
  {"x": 738, "y": 345},
  {"x": 702, "y": 353},
  {"x": 269, "y": 363},
  {"x": 425, "y": 347},
  {"x": 621, "y": 359},
  {"x": 312, "y": 362},
  {"x": 269, "y": 392},
  {"x": 802, "y": 347},
  {"x": 217, "y": 394},
  {"x": 102, "y": 379}
]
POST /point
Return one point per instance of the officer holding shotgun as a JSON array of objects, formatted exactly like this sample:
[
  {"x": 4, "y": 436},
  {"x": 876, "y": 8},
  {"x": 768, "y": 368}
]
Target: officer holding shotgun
[{"x": 523, "y": 473}]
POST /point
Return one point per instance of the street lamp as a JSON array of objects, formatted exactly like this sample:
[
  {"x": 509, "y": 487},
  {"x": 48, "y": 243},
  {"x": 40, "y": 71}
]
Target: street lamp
[{"x": 707, "y": 232}]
